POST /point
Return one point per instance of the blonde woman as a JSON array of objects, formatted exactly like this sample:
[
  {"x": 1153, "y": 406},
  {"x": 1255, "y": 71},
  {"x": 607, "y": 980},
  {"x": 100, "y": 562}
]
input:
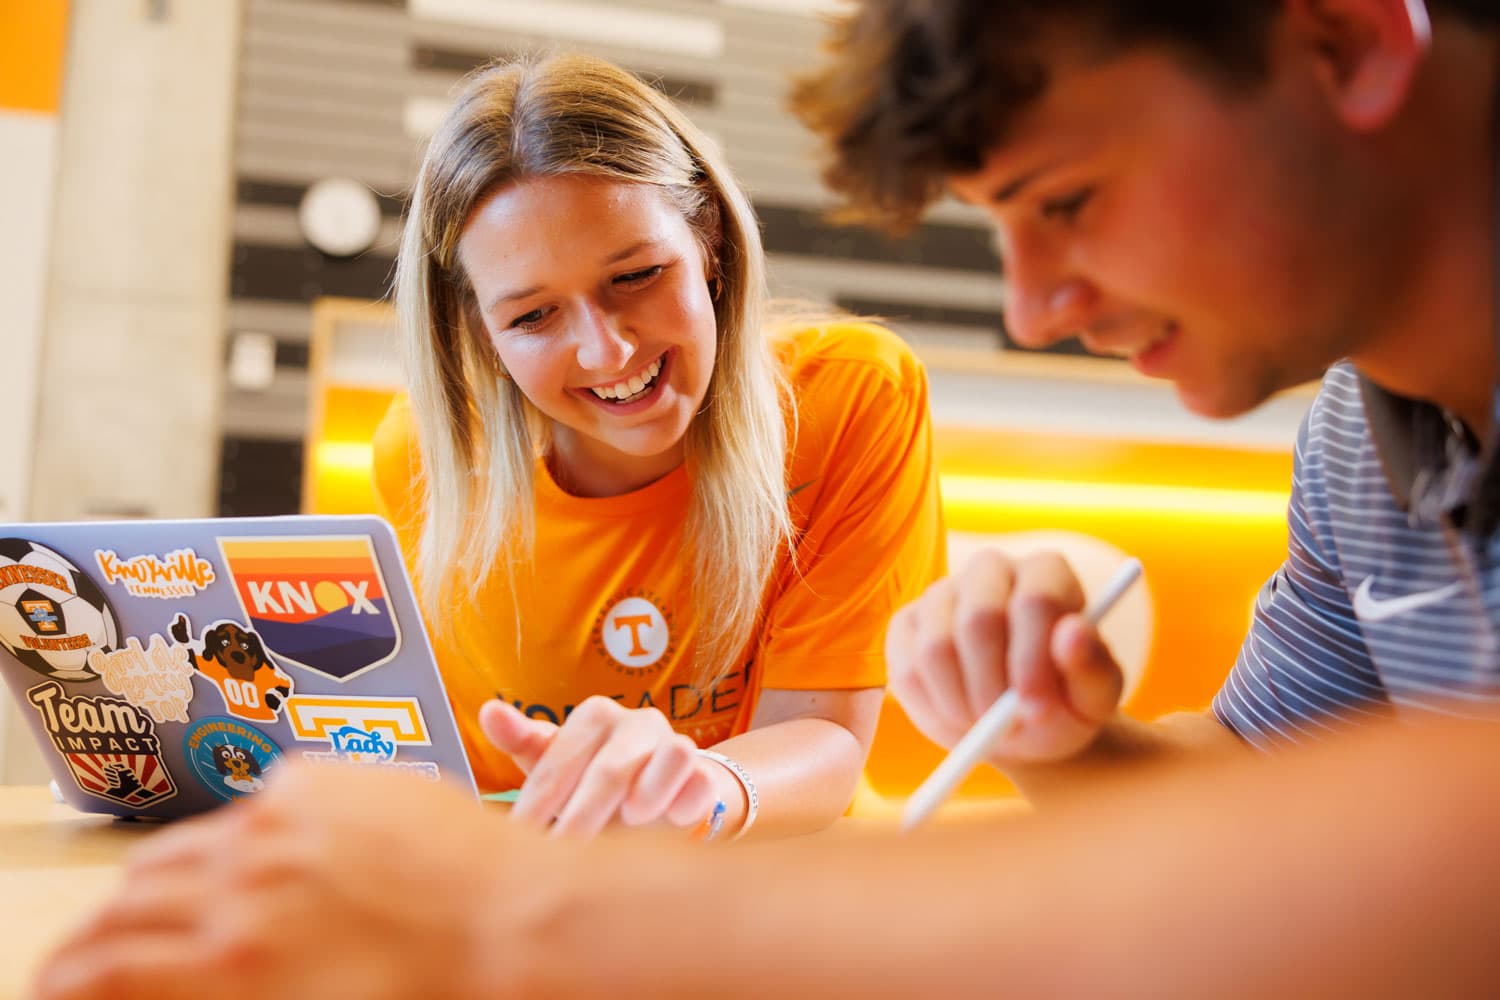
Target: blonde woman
[{"x": 657, "y": 540}]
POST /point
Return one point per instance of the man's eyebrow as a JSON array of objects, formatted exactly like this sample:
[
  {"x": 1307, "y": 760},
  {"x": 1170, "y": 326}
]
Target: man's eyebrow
[{"x": 1015, "y": 187}]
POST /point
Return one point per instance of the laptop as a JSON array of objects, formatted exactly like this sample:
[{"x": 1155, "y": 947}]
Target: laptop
[{"x": 166, "y": 667}]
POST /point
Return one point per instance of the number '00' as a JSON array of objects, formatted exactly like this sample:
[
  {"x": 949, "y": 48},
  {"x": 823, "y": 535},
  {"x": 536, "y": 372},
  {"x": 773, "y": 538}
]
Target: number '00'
[{"x": 241, "y": 693}]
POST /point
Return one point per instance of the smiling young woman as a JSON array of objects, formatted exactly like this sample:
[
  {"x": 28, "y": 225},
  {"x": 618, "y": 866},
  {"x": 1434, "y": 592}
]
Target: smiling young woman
[{"x": 657, "y": 534}]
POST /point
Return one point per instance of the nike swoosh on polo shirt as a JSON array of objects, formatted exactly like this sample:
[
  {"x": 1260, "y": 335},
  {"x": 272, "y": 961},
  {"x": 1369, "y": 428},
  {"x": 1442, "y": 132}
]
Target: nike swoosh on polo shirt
[{"x": 1370, "y": 608}]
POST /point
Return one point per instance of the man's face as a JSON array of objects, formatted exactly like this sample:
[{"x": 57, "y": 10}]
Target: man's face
[{"x": 1209, "y": 234}]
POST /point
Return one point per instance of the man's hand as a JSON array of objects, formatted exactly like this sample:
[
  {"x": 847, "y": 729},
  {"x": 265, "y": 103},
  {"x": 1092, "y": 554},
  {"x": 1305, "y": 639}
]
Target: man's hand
[
  {"x": 998, "y": 625},
  {"x": 334, "y": 881}
]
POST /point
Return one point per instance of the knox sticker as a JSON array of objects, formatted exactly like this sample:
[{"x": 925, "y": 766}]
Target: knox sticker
[
  {"x": 234, "y": 660},
  {"x": 175, "y": 575},
  {"x": 229, "y": 757},
  {"x": 52, "y": 616},
  {"x": 109, "y": 745},
  {"x": 318, "y": 602}
]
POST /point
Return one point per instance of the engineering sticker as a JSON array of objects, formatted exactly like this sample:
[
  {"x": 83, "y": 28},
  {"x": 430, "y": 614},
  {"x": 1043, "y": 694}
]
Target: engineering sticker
[
  {"x": 318, "y": 602},
  {"x": 182, "y": 573},
  {"x": 110, "y": 746},
  {"x": 365, "y": 731},
  {"x": 229, "y": 757}
]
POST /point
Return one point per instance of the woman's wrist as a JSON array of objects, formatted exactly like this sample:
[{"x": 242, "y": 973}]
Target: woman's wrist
[{"x": 735, "y": 787}]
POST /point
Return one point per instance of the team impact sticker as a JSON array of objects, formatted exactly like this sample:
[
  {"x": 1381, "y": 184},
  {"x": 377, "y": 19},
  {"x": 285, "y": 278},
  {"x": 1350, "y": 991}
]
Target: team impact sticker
[
  {"x": 317, "y": 602},
  {"x": 229, "y": 757},
  {"x": 51, "y": 615},
  {"x": 110, "y": 746}
]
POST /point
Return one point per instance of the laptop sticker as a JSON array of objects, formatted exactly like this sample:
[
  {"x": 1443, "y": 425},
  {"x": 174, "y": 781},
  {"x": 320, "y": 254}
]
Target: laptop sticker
[
  {"x": 318, "y": 602},
  {"x": 364, "y": 731},
  {"x": 175, "y": 575},
  {"x": 110, "y": 746},
  {"x": 229, "y": 758},
  {"x": 51, "y": 614},
  {"x": 314, "y": 716},
  {"x": 158, "y": 678},
  {"x": 233, "y": 658}
]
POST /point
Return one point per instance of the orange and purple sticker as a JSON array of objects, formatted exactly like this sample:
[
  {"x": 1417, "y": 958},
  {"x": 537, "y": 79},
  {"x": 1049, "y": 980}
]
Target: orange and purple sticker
[{"x": 317, "y": 602}]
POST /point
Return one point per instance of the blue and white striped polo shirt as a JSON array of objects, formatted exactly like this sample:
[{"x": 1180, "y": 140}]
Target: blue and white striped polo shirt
[{"x": 1376, "y": 609}]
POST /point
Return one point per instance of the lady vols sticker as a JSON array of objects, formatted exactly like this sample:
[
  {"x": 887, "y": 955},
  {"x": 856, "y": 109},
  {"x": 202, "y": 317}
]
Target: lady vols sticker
[{"x": 229, "y": 757}]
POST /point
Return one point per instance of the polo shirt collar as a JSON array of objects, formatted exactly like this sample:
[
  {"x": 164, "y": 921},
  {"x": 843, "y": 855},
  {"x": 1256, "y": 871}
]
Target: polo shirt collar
[{"x": 1431, "y": 461}]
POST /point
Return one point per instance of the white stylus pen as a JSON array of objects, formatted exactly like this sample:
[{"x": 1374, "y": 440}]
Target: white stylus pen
[{"x": 970, "y": 750}]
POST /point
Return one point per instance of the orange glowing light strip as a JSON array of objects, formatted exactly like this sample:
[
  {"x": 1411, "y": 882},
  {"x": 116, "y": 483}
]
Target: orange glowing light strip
[{"x": 975, "y": 494}]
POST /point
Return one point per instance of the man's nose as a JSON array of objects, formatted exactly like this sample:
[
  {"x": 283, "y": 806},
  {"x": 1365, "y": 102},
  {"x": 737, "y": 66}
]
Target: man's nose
[{"x": 1044, "y": 301}]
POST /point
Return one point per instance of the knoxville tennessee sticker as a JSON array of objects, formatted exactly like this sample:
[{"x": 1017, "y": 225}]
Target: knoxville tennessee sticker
[
  {"x": 178, "y": 574},
  {"x": 318, "y": 602}
]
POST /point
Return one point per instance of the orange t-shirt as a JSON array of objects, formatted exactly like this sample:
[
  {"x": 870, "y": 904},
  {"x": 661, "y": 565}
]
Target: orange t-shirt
[
  {"x": 608, "y": 609},
  {"x": 247, "y": 699}
]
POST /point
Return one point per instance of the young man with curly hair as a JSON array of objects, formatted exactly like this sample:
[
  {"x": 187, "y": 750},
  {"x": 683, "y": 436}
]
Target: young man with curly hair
[{"x": 1237, "y": 197}]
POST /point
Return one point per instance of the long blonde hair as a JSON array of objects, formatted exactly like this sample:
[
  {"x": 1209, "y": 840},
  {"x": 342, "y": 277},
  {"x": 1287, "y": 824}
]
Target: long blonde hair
[{"x": 478, "y": 435}]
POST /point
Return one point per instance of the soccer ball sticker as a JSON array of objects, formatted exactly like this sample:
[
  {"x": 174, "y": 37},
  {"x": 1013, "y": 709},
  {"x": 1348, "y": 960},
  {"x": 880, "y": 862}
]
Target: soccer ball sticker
[{"x": 51, "y": 615}]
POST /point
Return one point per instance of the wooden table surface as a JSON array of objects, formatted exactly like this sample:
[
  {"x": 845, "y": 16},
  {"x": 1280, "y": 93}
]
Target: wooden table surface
[{"x": 55, "y": 863}]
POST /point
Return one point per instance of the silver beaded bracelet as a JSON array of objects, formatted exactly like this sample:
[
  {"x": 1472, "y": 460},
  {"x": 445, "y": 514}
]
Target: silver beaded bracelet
[{"x": 752, "y": 797}]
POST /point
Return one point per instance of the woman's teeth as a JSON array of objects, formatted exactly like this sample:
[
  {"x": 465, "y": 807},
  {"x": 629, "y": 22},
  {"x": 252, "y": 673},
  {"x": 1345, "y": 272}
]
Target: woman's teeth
[{"x": 633, "y": 387}]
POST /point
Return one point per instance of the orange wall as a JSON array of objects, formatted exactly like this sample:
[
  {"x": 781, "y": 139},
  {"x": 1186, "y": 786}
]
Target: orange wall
[
  {"x": 33, "y": 40},
  {"x": 1207, "y": 523}
]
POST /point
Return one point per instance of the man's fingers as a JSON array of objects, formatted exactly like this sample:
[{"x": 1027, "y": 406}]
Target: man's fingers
[
  {"x": 129, "y": 967},
  {"x": 1045, "y": 591},
  {"x": 1092, "y": 680},
  {"x": 981, "y": 626},
  {"x": 918, "y": 707},
  {"x": 935, "y": 654}
]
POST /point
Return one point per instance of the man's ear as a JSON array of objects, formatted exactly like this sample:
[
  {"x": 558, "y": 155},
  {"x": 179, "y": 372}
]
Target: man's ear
[{"x": 1368, "y": 53}]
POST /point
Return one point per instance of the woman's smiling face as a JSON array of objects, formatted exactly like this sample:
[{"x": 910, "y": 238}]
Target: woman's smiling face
[{"x": 595, "y": 296}]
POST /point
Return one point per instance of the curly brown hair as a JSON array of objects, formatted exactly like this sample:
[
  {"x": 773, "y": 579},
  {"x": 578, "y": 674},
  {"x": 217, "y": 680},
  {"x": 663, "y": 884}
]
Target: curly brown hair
[{"x": 919, "y": 90}]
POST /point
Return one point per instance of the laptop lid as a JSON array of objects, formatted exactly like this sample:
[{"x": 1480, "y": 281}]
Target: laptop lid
[{"x": 164, "y": 667}]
